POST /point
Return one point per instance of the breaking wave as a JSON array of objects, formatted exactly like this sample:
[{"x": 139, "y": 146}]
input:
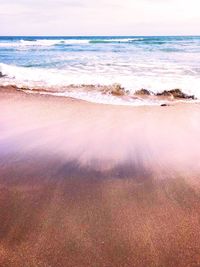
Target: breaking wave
[
  {"x": 82, "y": 86},
  {"x": 53, "y": 42}
]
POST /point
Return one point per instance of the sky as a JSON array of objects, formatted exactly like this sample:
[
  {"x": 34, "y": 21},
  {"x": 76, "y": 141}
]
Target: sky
[{"x": 99, "y": 17}]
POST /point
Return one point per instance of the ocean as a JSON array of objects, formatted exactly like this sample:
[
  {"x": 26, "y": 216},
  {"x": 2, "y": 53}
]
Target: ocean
[{"x": 155, "y": 63}]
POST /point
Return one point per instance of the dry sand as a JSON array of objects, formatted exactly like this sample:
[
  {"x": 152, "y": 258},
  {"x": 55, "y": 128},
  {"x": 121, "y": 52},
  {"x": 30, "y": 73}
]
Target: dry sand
[{"x": 97, "y": 185}]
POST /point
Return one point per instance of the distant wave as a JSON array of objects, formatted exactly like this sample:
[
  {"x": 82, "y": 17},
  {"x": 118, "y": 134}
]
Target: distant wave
[
  {"x": 53, "y": 42},
  {"x": 42, "y": 42},
  {"x": 121, "y": 40},
  {"x": 154, "y": 40},
  {"x": 146, "y": 41}
]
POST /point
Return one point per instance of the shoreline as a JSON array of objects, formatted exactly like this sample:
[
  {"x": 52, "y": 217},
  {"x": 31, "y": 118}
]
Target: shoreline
[
  {"x": 112, "y": 95},
  {"x": 84, "y": 183}
]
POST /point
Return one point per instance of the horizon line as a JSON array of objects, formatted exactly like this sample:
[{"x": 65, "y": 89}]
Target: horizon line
[{"x": 176, "y": 35}]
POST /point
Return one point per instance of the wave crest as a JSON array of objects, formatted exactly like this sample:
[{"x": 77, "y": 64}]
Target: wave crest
[{"x": 85, "y": 85}]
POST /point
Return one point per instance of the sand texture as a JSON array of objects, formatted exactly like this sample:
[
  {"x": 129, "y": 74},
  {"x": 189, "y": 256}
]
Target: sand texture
[{"x": 90, "y": 185}]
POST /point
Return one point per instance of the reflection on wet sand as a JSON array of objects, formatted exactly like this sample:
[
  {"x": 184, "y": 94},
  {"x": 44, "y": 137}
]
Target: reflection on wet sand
[{"x": 97, "y": 185}]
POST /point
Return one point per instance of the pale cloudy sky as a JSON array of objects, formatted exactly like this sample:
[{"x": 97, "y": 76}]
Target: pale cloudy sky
[{"x": 99, "y": 17}]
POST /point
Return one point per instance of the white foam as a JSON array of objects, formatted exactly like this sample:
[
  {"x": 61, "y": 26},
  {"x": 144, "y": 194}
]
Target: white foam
[
  {"x": 48, "y": 42},
  {"x": 42, "y": 42},
  {"x": 73, "y": 41},
  {"x": 99, "y": 98},
  {"x": 59, "y": 79},
  {"x": 38, "y": 42},
  {"x": 52, "y": 42}
]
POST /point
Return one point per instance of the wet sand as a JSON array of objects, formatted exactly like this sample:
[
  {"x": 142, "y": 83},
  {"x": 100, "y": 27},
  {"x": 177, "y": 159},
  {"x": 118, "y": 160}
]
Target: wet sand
[{"x": 97, "y": 185}]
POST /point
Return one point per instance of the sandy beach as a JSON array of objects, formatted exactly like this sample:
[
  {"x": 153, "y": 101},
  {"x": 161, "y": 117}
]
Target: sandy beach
[{"x": 86, "y": 184}]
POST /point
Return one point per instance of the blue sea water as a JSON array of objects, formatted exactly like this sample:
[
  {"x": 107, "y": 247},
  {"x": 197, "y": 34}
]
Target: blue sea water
[{"x": 152, "y": 62}]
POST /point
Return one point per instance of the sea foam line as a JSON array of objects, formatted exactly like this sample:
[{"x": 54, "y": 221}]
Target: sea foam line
[
  {"x": 53, "y": 42},
  {"x": 58, "y": 79}
]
